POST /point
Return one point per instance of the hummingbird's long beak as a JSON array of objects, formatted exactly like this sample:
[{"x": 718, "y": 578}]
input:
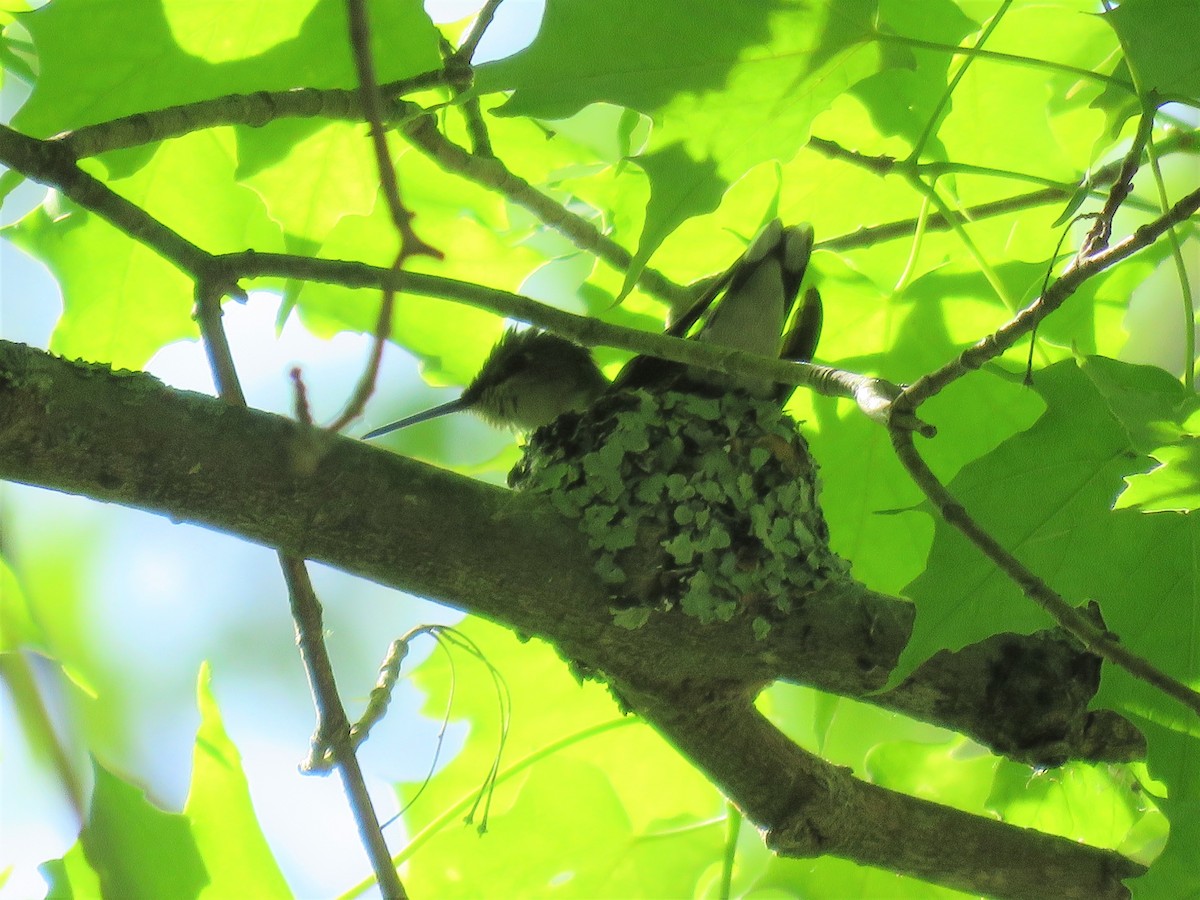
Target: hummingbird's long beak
[{"x": 444, "y": 409}]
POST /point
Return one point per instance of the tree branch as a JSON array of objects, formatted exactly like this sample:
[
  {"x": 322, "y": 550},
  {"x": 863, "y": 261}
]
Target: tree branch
[
  {"x": 810, "y": 807},
  {"x": 874, "y": 396},
  {"x": 416, "y": 123},
  {"x": 125, "y": 438},
  {"x": 992, "y": 346}
]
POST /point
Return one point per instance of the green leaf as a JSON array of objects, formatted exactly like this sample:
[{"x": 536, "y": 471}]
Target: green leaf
[
  {"x": 566, "y": 67},
  {"x": 632, "y": 618},
  {"x": 121, "y": 300},
  {"x": 18, "y": 628},
  {"x": 221, "y": 813},
  {"x": 1154, "y": 409},
  {"x": 166, "y": 57},
  {"x": 138, "y": 850},
  {"x": 1172, "y": 761},
  {"x": 559, "y": 755},
  {"x": 1157, "y": 36},
  {"x": 1148, "y": 402},
  {"x": 681, "y": 188},
  {"x": 1173, "y": 485},
  {"x": 1063, "y": 801},
  {"x": 1046, "y": 495},
  {"x": 902, "y": 98}
]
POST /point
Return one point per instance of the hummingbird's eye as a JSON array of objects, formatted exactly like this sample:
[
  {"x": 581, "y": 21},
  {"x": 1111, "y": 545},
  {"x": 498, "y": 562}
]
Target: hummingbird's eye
[{"x": 514, "y": 365}]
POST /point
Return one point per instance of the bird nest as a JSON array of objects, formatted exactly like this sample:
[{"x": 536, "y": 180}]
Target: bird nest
[{"x": 702, "y": 504}]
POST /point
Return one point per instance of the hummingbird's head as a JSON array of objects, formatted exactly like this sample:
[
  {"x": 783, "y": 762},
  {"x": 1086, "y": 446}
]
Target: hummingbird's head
[{"x": 531, "y": 378}]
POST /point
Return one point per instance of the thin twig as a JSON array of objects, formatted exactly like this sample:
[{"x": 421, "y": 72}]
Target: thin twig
[
  {"x": 472, "y": 111},
  {"x": 366, "y": 382},
  {"x": 208, "y": 313},
  {"x": 468, "y": 103},
  {"x": 255, "y": 110},
  {"x": 54, "y": 165},
  {"x": 360, "y": 42},
  {"x": 1084, "y": 267},
  {"x": 1098, "y": 237},
  {"x": 874, "y": 396},
  {"x": 1185, "y": 141},
  {"x": 491, "y": 173},
  {"x": 466, "y": 50},
  {"x": 333, "y": 728},
  {"x": 410, "y": 243},
  {"x": 992, "y": 346},
  {"x": 300, "y": 406}
]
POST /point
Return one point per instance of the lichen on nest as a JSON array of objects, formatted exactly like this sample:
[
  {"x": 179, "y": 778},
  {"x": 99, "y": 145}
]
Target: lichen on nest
[{"x": 698, "y": 503}]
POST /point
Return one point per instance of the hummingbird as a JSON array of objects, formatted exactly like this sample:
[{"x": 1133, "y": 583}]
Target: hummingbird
[{"x": 531, "y": 377}]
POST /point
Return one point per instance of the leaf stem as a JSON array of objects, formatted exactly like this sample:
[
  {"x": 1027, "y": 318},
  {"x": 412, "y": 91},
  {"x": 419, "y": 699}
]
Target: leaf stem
[{"x": 1185, "y": 286}]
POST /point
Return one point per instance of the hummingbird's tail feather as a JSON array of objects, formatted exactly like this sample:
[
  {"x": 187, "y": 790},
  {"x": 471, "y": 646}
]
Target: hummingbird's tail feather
[
  {"x": 746, "y": 308},
  {"x": 800, "y": 342}
]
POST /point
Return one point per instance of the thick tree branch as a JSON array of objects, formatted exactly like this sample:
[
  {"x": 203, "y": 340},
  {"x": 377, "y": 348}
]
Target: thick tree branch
[
  {"x": 86, "y": 430},
  {"x": 810, "y": 807},
  {"x": 125, "y": 438}
]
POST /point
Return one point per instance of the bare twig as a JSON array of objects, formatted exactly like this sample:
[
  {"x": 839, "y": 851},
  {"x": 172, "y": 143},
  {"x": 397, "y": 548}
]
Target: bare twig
[
  {"x": 208, "y": 313},
  {"x": 1097, "y": 239},
  {"x": 51, "y": 164},
  {"x": 1182, "y": 141},
  {"x": 468, "y": 103},
  {"x": 481, "y": 142},
  {"x": 1083, "y": 268},
  {"x": 874, "y": 396},
  {"x": 410, "y": 244},
  {"x": 360, "y": 42},
  {"x": 995, "y": 344},
  {"x": 300, "y": 406},
  {"x": 366, "y": 382},
  {"x": 466, "y": 50},
  {"x": 423, "y": 133},
  {"x": 333, "y": 728},
  {"x": 256, "y": 109}
]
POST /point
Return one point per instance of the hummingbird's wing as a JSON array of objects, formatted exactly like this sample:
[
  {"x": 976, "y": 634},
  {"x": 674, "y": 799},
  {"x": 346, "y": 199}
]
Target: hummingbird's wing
[{"x": 756, "y": 297}]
